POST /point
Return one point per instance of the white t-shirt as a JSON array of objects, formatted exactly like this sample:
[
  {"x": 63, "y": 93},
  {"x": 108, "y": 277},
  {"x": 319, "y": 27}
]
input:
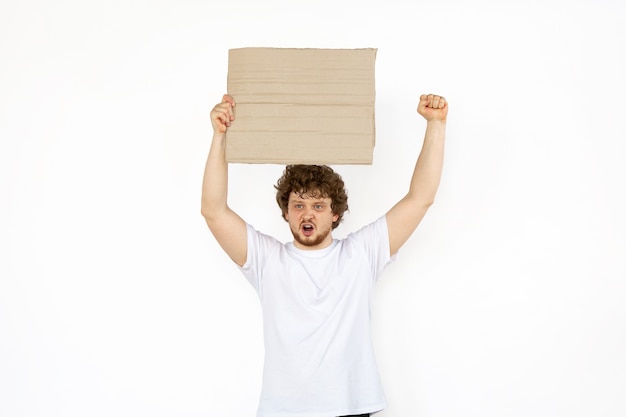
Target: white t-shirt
[{"x": 319, "y": 358}]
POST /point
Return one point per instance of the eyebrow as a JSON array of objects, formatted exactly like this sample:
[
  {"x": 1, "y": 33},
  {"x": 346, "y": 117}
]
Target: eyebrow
[{"x": 313, "y": 201}]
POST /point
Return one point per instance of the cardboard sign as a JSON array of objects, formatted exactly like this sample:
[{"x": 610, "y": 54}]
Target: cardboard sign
[{"x": 302, "y": 106}]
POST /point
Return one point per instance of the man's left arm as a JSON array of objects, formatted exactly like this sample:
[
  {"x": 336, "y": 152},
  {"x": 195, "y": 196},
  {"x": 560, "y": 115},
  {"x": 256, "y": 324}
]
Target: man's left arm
[{"x": 404, "y": 217}]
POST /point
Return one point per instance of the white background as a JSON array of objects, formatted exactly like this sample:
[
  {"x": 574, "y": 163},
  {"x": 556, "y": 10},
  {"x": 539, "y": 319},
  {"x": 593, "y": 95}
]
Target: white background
[{"x": 509, "y": 300}]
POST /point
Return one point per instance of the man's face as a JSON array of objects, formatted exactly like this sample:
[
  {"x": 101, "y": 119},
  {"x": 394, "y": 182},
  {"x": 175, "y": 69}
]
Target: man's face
[{"x": 310, "y": 219}]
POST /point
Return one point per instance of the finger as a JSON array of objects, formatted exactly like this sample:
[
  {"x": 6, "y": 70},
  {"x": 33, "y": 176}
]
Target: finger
[
  {"x": 221, "y": 116},
  {"x": 218, "y": 111},
  {"x": 227, "y": 98},
  {"x": 228, "y": 116},
  {"x": 227, "y": 109},
  {"x": 231, "y": 105},
  {"x": 425, "y": 100}
]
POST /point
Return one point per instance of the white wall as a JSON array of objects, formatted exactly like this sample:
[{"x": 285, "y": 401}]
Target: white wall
[{"x": 508, "y": 301}]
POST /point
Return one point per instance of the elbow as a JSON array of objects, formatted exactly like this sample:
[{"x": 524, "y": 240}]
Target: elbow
[
  {"x": 423, "y": 193},
  {"x": 427, "y": 199},
  {"x": 213, "y": 213},
  {"x": 209, "y": 218},
  {"x": 429, "y": 202},
  {"x": 421, "y": 200},
  {"x": 207, "y": 212}
]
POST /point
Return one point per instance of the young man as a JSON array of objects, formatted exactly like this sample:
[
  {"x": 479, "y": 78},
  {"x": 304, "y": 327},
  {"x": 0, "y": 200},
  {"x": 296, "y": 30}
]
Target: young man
[{"x": 315, "y": 291}]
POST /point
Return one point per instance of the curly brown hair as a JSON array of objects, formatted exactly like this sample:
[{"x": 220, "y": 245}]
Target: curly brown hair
[{"x": 316, "y": 181}]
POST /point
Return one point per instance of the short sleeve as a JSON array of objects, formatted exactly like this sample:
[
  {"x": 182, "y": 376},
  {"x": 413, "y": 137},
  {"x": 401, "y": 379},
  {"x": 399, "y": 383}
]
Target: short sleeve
[
  {"x": 374, "y": 239},
  {"x": 259, "y": 248}
]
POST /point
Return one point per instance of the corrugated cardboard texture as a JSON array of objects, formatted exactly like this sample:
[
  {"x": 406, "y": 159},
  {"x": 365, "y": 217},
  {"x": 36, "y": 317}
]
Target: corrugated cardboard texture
[{"x": 310, "y": 106}]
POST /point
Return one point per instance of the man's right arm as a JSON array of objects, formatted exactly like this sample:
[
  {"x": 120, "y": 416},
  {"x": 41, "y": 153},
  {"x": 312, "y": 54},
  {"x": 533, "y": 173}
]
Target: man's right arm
[{"x": 229, "y": 229}]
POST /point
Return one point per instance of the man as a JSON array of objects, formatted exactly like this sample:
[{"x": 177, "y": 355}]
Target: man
[{"x": 315, "y": 291}]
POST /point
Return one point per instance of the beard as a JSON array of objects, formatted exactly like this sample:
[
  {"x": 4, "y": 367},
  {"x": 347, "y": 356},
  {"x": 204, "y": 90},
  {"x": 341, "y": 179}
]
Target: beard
[{"x": 311, "y": 241}]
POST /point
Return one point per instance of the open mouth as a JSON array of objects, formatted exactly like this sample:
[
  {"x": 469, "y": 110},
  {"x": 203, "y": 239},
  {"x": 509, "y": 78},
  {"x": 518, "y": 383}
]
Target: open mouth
[{"x": 307, "y": 229}]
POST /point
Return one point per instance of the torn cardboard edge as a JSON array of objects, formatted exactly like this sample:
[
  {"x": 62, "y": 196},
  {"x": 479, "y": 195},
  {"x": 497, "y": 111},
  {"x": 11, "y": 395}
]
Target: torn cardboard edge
[{"x": 302, "y": 105}]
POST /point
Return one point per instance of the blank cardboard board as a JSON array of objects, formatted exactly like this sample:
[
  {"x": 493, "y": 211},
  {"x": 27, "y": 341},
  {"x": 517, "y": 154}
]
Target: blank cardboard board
[{"x": 302, "y": 105}]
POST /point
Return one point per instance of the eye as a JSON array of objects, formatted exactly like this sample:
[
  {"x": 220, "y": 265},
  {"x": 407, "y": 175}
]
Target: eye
[{"x": 319, "y": 206}]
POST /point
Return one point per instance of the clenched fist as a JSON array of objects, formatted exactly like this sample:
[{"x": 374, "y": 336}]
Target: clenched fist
[
  {"x": 222, "y": 114},
  {"x": 433, "y": 107}
]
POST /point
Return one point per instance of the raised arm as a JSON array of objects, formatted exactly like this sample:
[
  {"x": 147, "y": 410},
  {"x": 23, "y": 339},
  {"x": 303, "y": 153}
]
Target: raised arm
[
  {"x": 228, "y": 228},
  {"x": 405, "y": 216}
]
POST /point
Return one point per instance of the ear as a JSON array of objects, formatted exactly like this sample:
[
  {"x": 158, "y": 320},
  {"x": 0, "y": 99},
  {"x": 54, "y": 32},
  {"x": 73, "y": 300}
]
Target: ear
[
  {"x": 286, "y": 216},
  {"x": 335, "y": 217}
]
